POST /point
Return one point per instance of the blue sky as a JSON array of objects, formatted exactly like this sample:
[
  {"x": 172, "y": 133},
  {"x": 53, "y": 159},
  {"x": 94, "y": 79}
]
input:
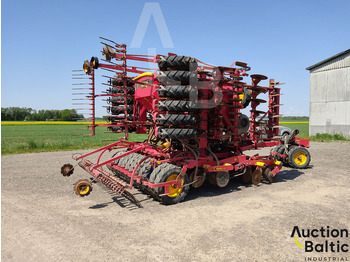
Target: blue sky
[{"x": 42, "y": 41}]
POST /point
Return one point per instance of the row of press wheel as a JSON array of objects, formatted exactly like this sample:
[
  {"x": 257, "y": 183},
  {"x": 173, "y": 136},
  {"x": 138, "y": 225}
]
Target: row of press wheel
[
  {"x": 162, "y": 173},
  {"x": 176, "y": 74}
]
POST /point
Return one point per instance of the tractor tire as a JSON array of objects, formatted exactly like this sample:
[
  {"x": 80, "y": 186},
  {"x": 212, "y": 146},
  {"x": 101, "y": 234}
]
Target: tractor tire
[
  {"x": 177, "y": 77},
  {"x": 299, "y": 157},
  {"x": 177, "y": 120},
  {"x": 244, "y": 123},
  {"x": 120, "y": 99},
  {"x": 177, "y": 106},
  {"x": 118, "y": 90},
  {"x": 281, "y": 151},
  {"x": 168, "y": 172},
  {"x": 115, "y": 119},
  {"x": 120, "y": 110},
  {"x": 174, "y": 62},
  {"x": 119, "y": 82},
  {"x": 119, "y": 151},
  {"x": 177, "y": 133},
  {"x": 247, "y": 95},
  {"x": 176, "y": 91}
]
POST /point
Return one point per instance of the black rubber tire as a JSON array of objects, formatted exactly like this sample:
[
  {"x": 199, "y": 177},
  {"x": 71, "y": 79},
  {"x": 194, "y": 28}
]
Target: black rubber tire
[
  {"x": 174, "y": 62},
  {"x": 281, "y": 151},
  {"x": 177, "y": 106},
  {"x": 244, "y": 124},
  {"x": 177, "y": 133},
  {"x": 178, "y": 120},
  {"x": 120, "y": 99},
  {"x": 177, "y": 77},
  {"x": 247, "y": 97},
  {"x": 117, "y": 90},
  {"x": 160, "y": 174},
  {"x": 120, "y": 83},
  {"x": 291, "y": 159},
  {"x": 120, "y": 110},
  {"x": 115, "y": 119},
  {"x": 176, "y": 91},
  {"x": 95, "y": 62},
  {"x": 117, "y": 129}
]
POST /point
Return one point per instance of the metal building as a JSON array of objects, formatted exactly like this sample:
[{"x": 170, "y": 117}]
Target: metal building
[{"x": 330, "y": 95}]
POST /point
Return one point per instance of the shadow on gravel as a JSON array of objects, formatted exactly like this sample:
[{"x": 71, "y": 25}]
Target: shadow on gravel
[
  {"x": 123, "y": 201},
  {"x": 209, "y": 190},
  {"x": 286, "y": 175}
]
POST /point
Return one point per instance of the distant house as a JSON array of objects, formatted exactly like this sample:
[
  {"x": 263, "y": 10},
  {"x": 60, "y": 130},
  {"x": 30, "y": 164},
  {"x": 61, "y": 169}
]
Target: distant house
[{"x": 330, "y": 95}]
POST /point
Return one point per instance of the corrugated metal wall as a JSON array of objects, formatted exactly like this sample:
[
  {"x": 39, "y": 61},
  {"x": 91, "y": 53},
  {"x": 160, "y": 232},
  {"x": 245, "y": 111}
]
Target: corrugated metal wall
[
  {"x": 330, "y": 97},
  {"x": 339, "y": 62}
]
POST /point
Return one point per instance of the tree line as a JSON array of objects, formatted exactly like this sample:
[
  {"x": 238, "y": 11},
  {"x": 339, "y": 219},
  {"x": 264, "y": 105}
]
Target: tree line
[{"x": 29, "y": 114}]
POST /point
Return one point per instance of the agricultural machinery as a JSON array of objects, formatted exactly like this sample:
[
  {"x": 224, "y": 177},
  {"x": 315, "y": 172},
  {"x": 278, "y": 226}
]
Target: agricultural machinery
[{"x": 191, "y": 113}]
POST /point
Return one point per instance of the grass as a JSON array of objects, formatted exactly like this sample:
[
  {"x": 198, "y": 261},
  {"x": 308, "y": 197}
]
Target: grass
[
  {"x": 328, "y": 138},
  {"x": 47, "y": 137},
  {"x": 303, "y": 128},
  {"x": 42, "y": 138}
]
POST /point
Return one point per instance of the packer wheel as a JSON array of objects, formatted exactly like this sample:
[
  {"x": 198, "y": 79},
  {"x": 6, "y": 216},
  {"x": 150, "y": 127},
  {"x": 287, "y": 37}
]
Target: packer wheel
[{"x": 167, "y": 172}]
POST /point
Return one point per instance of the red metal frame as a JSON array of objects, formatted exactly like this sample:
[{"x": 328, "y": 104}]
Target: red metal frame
[{"x": 220, "y": 109}]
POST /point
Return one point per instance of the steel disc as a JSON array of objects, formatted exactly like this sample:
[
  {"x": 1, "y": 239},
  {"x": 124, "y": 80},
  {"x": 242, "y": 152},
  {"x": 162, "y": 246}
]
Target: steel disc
[
  {"x": 67, "y": 170},
  {"x": 222, "y": 178},
  {"x": 247, "y": 176},
  {"x": 256, "y": 177}
]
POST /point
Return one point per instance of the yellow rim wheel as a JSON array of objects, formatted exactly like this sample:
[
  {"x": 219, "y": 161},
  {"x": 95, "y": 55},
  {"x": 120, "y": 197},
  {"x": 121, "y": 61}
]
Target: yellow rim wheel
[
  {"x": 300, "y": 158},
  {"x": 174, "y": 191},
  {"x": 83, "y": 188},
  {"x": 241, "y": 97}
]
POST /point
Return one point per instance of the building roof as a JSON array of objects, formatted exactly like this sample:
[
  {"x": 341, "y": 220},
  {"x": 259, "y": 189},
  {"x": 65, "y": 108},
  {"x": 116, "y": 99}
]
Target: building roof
[{"x": 328, "y": 59}]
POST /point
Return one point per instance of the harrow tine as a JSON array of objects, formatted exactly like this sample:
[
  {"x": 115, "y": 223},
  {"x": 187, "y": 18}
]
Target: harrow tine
[{"x": 107, "y": 39}]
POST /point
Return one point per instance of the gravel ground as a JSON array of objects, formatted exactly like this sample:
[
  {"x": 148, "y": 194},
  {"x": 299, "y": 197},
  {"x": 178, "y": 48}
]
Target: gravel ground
[{"x": 43, "y": 220}]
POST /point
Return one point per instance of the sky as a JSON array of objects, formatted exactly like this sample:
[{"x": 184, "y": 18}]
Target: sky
[{"x": 43, "y": 41}]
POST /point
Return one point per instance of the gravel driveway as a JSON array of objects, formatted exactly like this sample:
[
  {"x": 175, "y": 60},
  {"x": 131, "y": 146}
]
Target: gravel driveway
[{"x": 43, "y": 220}]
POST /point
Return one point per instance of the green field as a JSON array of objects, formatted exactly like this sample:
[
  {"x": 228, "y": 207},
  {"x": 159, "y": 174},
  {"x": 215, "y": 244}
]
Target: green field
[
  {"x": 303, "y": 128},
  {"x": 27, "y": 138},
  {"x": 41, "y": 138}
]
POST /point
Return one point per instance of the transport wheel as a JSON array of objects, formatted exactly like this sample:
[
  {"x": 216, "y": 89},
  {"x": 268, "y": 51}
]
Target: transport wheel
[
  {"x": 177, "y": 77},
  {"x": 177, "y": 133},
  {"x": 299, "y": 157},
  {"x": 177, "y": 106},
  {"x": 176, "y": 91},
  {"x": 83, "y": 187},
  {"x": 245, "y": 97},
  {"x": 94, "y": 61},
  {"x": 244, "y": 123},
  {"x": 178, "y": 120},
  {"x": 174, "y": 62},
  {"x": 281, "y": 151},
  {"x": 167, "y": 172}
]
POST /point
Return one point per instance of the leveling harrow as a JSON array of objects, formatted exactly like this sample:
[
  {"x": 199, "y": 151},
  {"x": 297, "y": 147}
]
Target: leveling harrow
[{"x": 191, "y": 112}]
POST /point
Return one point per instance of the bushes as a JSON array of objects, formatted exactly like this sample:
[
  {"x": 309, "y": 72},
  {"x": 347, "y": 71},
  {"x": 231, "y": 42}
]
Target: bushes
[{"x": 29, "y": 114}]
